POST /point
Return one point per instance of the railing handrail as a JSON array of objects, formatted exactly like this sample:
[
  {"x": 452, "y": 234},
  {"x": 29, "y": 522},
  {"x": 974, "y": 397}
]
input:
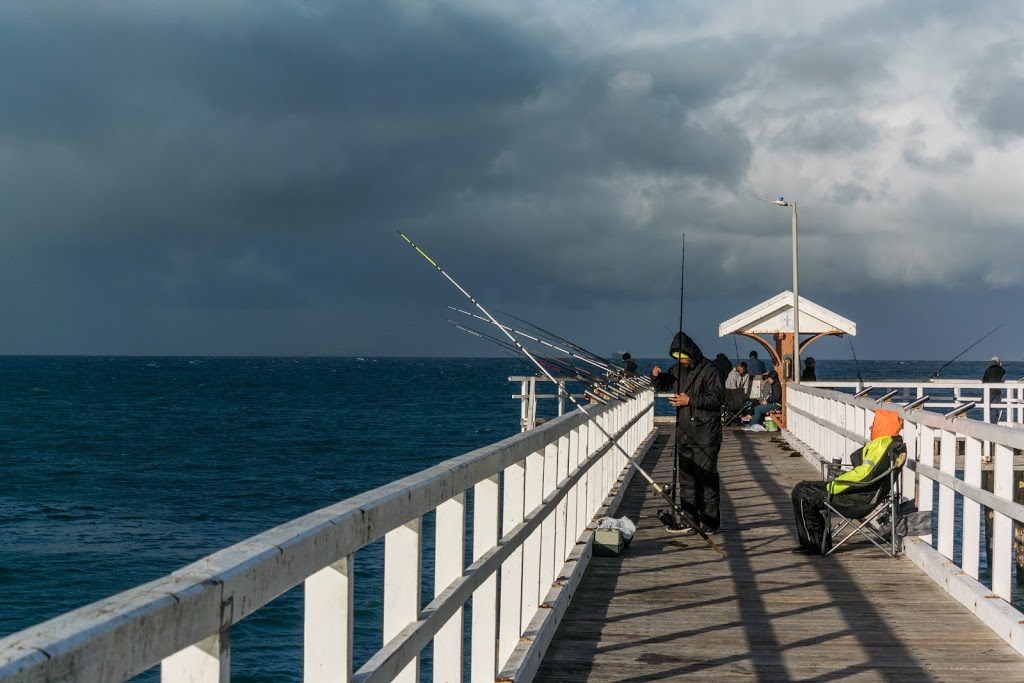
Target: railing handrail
[{"x": 203, "y": 599}]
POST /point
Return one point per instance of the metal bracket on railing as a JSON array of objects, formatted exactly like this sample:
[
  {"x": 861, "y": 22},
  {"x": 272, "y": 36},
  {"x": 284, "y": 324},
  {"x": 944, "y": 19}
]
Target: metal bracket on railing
[
  {"x": 888, "y": 397},
  {"x": 917, "y": 403},
  {"x": 863, "y": 392},
  {"x": 956, "y": 412}
]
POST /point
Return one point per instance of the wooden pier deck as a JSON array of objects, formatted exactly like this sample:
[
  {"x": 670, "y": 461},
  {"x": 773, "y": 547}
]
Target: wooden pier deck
[{"x": 664, "y": 612}]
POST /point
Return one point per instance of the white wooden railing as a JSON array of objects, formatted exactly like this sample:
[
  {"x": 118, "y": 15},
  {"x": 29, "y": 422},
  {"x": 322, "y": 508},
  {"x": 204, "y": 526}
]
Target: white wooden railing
[
  {"x": 828, "y": 424},
  {"x": 533, "y": 497},
  {"x": 946, "y": 394}
]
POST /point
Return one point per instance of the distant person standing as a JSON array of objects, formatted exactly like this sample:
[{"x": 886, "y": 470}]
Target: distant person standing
[
  {"x": 755, "y": 366},
  {"x": 994, "y": 375},
  {"x": 629, "y": 364},
  {"x": 808, "y": 374}
]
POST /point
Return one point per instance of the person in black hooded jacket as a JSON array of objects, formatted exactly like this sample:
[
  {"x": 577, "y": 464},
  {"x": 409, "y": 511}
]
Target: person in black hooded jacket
[{"x": 698, "y": 398}]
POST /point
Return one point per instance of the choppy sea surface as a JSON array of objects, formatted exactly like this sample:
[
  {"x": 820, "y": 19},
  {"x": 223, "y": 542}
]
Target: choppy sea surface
[{"x": 118, "y": 470}]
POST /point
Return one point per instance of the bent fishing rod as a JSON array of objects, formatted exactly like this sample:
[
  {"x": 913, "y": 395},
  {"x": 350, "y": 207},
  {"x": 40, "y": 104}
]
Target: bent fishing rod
[
  {"x": 629, "y": 458},
  {"x": 991, "y": 332},
  {"x": 572, "y": 372}
]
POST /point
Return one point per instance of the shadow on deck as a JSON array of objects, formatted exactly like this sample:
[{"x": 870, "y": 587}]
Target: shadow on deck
[{"x": 665, "y": 612}]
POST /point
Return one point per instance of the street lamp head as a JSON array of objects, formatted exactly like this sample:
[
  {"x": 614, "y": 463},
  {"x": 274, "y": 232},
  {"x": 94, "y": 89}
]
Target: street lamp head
[{"x": 781, "y": 201}]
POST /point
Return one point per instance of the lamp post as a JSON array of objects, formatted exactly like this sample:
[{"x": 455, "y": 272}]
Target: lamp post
[{"x": 796, "y": 288}]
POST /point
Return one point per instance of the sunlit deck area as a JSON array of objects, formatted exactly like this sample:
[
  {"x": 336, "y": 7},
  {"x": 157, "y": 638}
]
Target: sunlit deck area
[{"x": 669, "y": 609}]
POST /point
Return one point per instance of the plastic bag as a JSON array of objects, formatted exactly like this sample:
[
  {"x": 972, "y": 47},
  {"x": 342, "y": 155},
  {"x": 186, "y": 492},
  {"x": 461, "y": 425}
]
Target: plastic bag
[{"x": 623, "y": 524}]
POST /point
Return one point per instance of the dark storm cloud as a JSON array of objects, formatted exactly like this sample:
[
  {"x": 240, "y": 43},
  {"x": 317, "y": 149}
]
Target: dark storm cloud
[{"x": 228, "y": 177}]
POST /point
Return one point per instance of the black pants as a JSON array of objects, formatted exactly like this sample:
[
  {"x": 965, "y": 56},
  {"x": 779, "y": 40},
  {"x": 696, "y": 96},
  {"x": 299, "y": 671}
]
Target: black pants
[
  {"x": 699, "y": 484},
  {"x": 808, "y": 504}
]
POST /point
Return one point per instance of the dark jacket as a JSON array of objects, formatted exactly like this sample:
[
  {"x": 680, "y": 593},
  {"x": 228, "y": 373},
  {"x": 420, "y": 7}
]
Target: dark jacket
[
  {"x": 700, "y": 422},
  {"x": 775, "y": 389},
  {"x": 808, "y": 375},
  {"x": 724, "y": 366},
  {"x": 755, "y": 366},
  {"x": 994, "y": 375}
]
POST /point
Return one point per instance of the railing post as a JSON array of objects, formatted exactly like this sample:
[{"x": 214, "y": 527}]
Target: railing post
[
  {"x": 483, "y": 666},
  {"x": 947, "y": 464},
  {"x": 531, "y": 547},
  {"x": 1002, "y": 527},
  {"x": 450, "y": 549},
  {"x": 972, "y": 509},
  {"x": 327, "y": 628},
  {"x": 208, "y": 661},
  {"x": 572, "y": 514},
  {"x": 926, "y": 456},
  {"x": 510, "y": 599},
  {"x": 524, "y": 406},
  {"x": 561, "y": 514},
  {"x": 402, "y": 575},
  {"x": 547, "y": 528}
]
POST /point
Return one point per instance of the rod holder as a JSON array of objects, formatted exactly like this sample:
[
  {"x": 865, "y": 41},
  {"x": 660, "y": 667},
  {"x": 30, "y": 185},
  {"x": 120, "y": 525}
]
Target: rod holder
[
  {"x": 863, "y": 392},
  {"x": 888, "y": 397},
  {"x": 957, "y": 412},
  {"x": 594, "y": 397},
  {"x": 917, "y": 403}
]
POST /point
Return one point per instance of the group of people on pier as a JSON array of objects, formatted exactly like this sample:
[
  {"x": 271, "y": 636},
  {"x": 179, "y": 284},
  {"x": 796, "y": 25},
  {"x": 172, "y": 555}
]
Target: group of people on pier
[{"x": 698, "y": 387}]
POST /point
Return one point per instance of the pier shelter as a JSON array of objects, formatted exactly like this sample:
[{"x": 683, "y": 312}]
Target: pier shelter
[{"x": 775, "y": 317}]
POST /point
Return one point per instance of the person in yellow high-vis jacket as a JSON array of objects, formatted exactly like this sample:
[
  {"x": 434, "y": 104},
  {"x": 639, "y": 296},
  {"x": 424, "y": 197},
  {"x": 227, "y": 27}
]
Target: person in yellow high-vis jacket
[{"x": 869, "y": 462}]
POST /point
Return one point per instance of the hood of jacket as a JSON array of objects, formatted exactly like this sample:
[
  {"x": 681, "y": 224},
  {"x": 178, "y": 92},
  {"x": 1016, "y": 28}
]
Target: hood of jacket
[{"x": 683, "y": 343}]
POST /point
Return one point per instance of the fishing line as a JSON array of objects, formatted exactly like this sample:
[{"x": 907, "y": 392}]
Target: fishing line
[
  {"x": 602, "y": 366},
  {"x": 990, "y": 333},
  {"x": 572, "y": 372},
  {"x": 562, "y": 392},
  {"x": 607, "y": 363},
  {"x": 855, "y": 363}
]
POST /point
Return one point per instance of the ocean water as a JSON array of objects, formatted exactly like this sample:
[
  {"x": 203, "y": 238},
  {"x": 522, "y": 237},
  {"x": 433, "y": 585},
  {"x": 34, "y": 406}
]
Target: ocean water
[{"x": 119, "y": 470}]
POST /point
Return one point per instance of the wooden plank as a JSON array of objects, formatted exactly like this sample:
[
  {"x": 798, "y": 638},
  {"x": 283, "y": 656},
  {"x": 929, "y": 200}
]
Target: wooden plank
[{"x": 668, "y": 608}]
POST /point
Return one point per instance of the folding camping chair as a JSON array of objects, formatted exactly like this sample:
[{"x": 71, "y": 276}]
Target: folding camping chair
[
  {"x": 736, "y": 406},
  {"x": 864, "y": 517}
]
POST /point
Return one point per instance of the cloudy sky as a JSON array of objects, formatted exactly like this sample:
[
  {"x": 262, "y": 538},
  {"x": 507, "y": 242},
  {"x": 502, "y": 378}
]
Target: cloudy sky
[{"x": 228, "y": 176}]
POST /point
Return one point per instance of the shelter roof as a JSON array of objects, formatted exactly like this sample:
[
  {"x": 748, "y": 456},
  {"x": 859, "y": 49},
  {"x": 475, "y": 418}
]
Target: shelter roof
[{"x": 776, "y": 315}]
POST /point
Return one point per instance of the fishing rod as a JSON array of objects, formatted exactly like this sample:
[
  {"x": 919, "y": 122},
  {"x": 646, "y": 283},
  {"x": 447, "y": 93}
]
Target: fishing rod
[
  {"x": 604, "y": 362},
  {"x": 504, "y": 348},
  {"x": 594, "y": 382},
  {"x": 855, "y": 363},
  {"x": 530, "y": 337},
  {"x": 991, "y": 332},
  {"x": 630, "y": 383},
  {"x": 677, "y": 450},
  {"x": 562, "y": 391}
]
